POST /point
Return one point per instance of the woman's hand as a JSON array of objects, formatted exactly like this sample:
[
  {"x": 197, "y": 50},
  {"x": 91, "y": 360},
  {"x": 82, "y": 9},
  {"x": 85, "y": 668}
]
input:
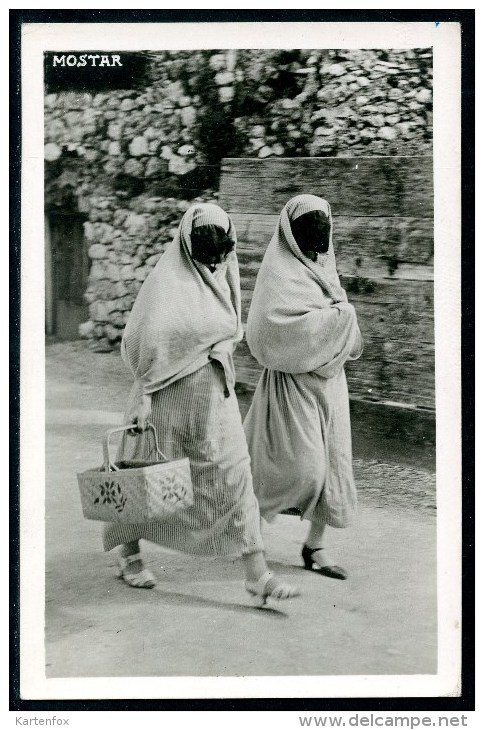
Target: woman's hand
[{"x": 140, "y": 414}]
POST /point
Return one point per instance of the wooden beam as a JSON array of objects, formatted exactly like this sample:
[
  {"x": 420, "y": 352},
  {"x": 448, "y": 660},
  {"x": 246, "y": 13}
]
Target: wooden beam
[
  {"x": 383, "y": 238},
  {"x": 355, "y": 186},
  {"x": 374, "y": 247}
]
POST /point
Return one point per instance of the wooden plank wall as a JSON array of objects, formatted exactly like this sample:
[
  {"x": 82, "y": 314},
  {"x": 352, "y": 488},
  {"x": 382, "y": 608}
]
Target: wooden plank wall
[{"x": 383, "y": 238}]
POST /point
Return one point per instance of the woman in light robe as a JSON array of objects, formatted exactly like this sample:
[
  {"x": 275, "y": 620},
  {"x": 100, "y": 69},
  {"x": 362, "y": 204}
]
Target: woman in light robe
[
  {"x": 178, "y": 344},
  {"x": 302, "y": 329}
]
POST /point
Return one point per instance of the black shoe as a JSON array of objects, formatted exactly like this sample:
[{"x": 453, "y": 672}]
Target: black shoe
[{"x": 330, "y": 571}]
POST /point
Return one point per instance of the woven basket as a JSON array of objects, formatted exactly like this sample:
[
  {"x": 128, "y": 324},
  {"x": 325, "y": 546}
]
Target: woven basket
[{"x": 135, "y": 492}]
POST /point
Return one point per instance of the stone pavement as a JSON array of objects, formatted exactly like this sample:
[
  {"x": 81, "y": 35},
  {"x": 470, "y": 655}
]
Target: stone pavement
[{"x": 199, "y": 621}]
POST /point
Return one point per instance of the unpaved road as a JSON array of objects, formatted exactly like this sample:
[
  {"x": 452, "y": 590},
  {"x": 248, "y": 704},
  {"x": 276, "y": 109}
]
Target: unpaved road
[{"x": 198, "y": 621}]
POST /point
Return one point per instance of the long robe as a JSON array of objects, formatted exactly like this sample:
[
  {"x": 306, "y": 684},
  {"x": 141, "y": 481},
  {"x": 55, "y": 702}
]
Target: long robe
[
  {"x": 302, "y": 329},
  {"x": 178, "y": 344}
]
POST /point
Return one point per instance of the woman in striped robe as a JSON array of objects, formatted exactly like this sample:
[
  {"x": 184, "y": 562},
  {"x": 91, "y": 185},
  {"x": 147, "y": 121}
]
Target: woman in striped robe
[
  {"x": 178, "y": 343},
  {"x": 302, "y": 329}
]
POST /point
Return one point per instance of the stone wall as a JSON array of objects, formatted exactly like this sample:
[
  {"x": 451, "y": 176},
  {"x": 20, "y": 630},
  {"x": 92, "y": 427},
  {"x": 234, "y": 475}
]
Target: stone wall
[
  {"x": 126, "y": 239},
  {"x": 344, "y": 103},
  {"x": 133, "y": 160}
]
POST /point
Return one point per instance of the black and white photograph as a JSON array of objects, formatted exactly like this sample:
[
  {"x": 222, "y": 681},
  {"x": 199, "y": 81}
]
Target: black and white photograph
[{"x": 245, "y": 334}]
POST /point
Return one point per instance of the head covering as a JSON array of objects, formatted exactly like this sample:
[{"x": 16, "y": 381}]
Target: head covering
[
  {"x": 300, "y": 319},
  {"x": 302, "y": 204},
  {"x": 210, "y": 214},
  {"x": 324, "y": 270},
  {"x": 184, "y": 315}
]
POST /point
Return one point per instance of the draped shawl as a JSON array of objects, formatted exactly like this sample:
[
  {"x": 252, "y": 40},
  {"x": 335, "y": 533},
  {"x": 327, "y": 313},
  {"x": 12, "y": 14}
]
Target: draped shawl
[
  {"x": 184, "y": 315},
  {"x": 300, "y": 320},
  {"x": 302, "y": 329}
]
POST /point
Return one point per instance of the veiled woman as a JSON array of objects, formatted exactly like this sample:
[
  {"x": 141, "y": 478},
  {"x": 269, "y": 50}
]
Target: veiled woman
[
  {"x": 178, "y": 344},
  {"x": 302, "y": 329}
]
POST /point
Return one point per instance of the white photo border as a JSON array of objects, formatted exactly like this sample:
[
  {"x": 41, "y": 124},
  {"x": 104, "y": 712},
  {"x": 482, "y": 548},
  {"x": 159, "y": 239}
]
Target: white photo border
[{"x": 445, "y": 40}]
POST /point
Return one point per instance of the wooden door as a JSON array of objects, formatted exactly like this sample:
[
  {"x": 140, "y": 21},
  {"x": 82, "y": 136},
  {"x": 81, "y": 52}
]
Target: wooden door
[{"x": 67, "y": 269}]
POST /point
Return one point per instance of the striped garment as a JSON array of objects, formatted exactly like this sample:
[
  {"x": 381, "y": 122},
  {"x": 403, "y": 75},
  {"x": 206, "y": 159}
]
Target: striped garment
[
  {"x": 194, "y": 418},
  {"x": 302, "y": 329}
]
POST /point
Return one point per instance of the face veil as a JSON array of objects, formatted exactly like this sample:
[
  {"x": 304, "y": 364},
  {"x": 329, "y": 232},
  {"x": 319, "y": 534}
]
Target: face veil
[
  {"x": 312, "y": 232},
  {"x": 210, "y": 245}
]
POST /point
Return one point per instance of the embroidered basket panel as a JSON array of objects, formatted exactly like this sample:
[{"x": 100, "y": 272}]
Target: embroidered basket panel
[
  {"x": 169, "y": 491},
  {"x": 136, "y": 496}
]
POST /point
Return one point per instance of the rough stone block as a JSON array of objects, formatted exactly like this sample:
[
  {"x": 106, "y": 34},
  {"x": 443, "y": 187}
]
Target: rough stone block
[
  {"x": 86, "y": 330},
  {"x": 120, "y": 289},
  {"x": 97, "y": 251},
  {"x": 424, "y": 96},
  {"x": 155, "y": 167},
  {"x": 97, "y": 271},
  {"x": 113, "y": 272},
  {"x": 336, "y": 69},
  {"x": 127, "y": 273},
  {"x": 138, "y": 147},
  {"x": 388, "y": 133},
  {"x": 99, "y": 311},
  {"x": 224, "y": 78},
  {"x": 186, "y": 150},
  {"x": 89, "y": 295},
  {"x": 89, "y": 231},
  {"x": 114, "y": 148},
  {"x": 127, "y": 105},
  {"x": 135, "y": 224},
  {"x": 265, "y": 152},
  {"x": 116, "y": 319},
  {"x": 134, "y": 168},
  {"x": 217, "y": 61},
  {"x": 180, "y": 165},
  {"x": 188, "y": 116},
  {"x": 52, "y": 151},
  {"x": 141, "y": 273}
]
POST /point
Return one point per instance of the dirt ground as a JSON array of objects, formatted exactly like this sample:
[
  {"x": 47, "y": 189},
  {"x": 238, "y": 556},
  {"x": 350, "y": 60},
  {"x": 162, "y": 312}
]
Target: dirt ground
[{"x": 198, "y": 620}]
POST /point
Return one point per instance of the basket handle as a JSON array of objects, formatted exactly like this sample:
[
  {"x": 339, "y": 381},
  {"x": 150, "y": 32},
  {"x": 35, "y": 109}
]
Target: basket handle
[{"x": 108, "y": 464}]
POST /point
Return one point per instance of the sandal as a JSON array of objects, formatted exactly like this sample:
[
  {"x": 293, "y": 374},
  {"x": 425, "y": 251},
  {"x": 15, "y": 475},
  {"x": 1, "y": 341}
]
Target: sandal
[
  {"x": 329, "y": 570},
  {"x": 143, "y": 579},
  {"x": 268, "y": 587}
]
